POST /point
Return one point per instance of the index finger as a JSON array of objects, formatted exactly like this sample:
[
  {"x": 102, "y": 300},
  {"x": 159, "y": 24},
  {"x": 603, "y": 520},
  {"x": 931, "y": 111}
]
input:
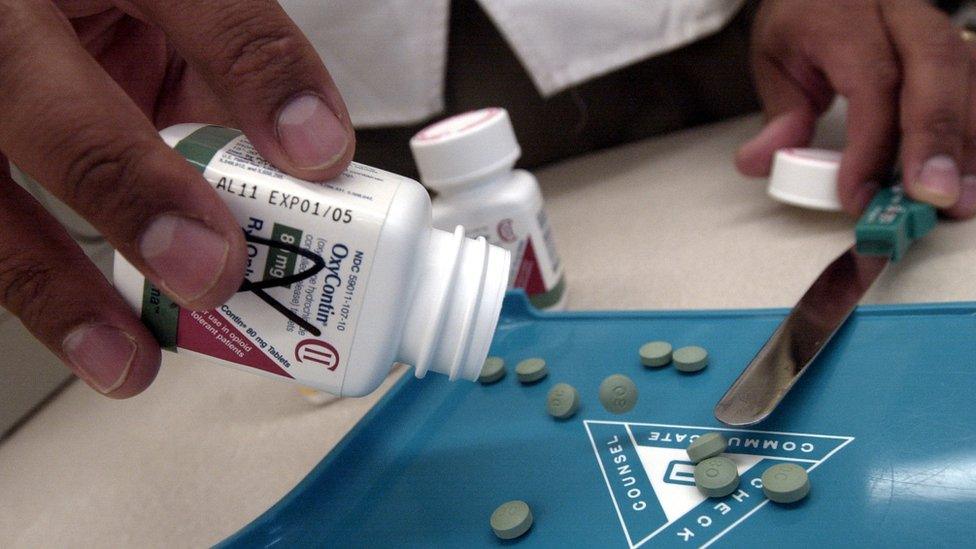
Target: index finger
[{"x": 268, "y": 77}]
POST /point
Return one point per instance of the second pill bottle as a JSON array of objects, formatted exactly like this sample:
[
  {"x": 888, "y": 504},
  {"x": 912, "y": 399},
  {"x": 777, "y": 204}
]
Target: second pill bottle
[{"x": 468, "y": 161}]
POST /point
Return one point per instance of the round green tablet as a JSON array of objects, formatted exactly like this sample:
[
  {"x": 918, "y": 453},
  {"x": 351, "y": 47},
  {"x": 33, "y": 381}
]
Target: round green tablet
[
  {"x": 716, "y": 477},
  {"x": 618, "y": 394},
  {"x": 531, "y": 369},
  {"x": 706, "y": 446},
  {"x": 785, "y": 483},
  {"x": 690, "y": 359},
  {"x": 563, "y": 401},
  {"x": 511, "y": 519},
  {"x": 655, "y": 353},
  {"x": 492, "y": 371}
]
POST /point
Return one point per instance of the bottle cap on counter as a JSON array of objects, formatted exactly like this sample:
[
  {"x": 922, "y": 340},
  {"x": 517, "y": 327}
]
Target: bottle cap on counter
[{"x": 806, "y": 178}]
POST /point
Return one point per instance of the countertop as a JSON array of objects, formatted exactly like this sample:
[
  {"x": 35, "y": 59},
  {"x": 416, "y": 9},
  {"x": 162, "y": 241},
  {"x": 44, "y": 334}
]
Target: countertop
[{"x": 661, "y": 224}]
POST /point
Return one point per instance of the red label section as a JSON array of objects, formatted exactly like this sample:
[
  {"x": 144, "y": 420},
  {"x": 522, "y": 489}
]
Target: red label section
[
  {"x": 210, "y": 333},
  {"x": 529, "y": 276}
]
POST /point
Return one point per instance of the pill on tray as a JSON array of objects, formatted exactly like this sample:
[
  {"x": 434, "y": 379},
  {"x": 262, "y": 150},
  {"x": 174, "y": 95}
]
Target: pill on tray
[
  {"x": 492, "y": 371},
  {"x": 655, "y": 353},
  {"x": 563, "y": 401},
  {"x": 690, "y": 359},
  {"x": 618, "y": 394},
  {"x": 706, "y": 446},
  {"x": 511, "y": 519},
  {"x": 785, "y": 483},
  {"x": 531, "y": 370},
  {"x": 716, "y": 477}
]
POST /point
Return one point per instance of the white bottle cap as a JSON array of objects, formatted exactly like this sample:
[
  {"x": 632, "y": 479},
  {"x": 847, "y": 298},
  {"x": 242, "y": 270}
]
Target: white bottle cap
[
  {"x": 467, "y": 146},
  {"x": 806, "y": 177}
]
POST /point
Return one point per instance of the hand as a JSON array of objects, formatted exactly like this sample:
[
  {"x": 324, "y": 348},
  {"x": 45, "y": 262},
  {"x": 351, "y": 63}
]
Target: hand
[
  {"x": 83, "y": 86},
  {"x": 909, "y": 80}
]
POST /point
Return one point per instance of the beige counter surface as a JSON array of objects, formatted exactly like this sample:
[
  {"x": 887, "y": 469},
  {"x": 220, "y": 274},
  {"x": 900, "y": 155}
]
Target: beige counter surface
[{"x": 661, "y": 224}]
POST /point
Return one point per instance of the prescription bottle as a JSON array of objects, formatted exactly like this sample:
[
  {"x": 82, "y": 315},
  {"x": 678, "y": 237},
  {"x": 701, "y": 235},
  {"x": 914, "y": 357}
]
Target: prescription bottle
[
  {"x": 468, "y": 161},
  {"x": 344, "y": 278}
]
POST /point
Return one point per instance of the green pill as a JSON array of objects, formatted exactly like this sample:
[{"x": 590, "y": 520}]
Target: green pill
[
  {"x": 492, "y": 371},
  {"x": 716, "y": 477},
  {"x": 618, "y": 394},
  {"x": 531, "y": 370},
  {"x": 655, "y": 353},
  {"x": 511, "y": 519},
  {"x": 785, "y": 483},
  {"x": 563, "y": 401},
  {"x": 706, "y": 446},
  {"x": 690, "y": 359}
]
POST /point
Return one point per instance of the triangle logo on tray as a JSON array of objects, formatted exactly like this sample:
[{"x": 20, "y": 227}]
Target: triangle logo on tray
[{"x": 651, "y": 482}]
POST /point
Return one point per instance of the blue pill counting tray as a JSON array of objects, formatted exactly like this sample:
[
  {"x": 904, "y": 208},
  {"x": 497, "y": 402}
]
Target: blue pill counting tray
[{"x": 885, "y": 423}]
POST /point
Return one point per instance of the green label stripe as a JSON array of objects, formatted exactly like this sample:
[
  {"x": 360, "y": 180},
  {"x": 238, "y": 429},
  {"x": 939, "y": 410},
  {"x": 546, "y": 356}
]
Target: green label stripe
[
  {"x": 550, "y": 298},
  {"x": 281, "y": 263},
  {"x": 160, "y": 315},
  {"x": 200, "y": 146}
]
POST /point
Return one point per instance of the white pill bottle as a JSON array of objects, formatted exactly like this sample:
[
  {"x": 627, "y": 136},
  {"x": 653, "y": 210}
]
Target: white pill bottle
[
  {"x": 344, "y": 278},
  {"x": 468, "y": 161}
]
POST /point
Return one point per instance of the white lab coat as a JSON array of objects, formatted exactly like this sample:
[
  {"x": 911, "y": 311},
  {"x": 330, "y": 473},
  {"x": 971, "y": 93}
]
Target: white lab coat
[{"x": 388, "y": 56}]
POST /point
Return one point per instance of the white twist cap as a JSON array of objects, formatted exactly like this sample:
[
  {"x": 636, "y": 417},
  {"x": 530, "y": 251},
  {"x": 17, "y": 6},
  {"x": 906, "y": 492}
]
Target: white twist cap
[
  {"x": 465, "y": 147},
  {"x": 806, "y": 177}
]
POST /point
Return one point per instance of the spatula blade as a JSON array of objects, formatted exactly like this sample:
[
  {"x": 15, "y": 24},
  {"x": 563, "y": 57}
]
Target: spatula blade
[{"x": 791, "y": 349}]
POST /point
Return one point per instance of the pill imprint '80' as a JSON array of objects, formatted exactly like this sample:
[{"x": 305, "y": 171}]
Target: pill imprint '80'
[
  {"x": 618, "y": 394},
  {"x": 716, "y": 477}
]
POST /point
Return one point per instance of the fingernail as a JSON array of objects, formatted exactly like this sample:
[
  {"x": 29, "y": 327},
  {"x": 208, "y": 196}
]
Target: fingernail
[
  {"x": 311, "y": 133},
  {"x": 938, "y": 182},
  {"x": 100, "y": 354},
  {"x": 188, "y": 256}
]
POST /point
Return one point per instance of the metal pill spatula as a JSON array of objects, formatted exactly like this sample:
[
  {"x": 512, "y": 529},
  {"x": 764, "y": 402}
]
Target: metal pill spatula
[{"x": 890, "y": 223}]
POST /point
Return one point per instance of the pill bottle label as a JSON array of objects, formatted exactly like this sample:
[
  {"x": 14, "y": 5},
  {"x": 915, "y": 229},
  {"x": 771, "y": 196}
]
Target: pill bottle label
[
  {"x": 310, "y": 249},
  {"x": 536, "y": 266}
]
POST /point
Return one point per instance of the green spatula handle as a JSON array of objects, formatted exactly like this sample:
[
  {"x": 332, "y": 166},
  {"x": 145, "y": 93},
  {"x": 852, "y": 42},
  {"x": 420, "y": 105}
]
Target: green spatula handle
[{"x": 891, "y": 222}]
